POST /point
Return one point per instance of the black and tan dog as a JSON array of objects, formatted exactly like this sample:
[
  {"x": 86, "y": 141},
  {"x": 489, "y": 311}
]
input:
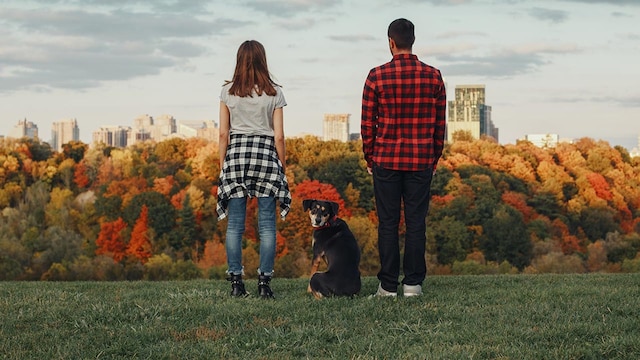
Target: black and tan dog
[{"x": 334, "y": 243}]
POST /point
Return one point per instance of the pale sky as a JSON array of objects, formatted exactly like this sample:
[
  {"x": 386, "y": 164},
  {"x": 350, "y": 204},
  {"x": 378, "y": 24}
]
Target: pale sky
[{"x": 568, "y": 67}]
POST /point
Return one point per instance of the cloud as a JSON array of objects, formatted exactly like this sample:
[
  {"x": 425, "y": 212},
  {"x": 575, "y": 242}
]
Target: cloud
[
  {"x": 551, "y": 15},
  {"x": 609, "y": 2},
  {"x": 165, "y": 6},
  {"x": 295, "y": 24},
  {"x": 287, "y": 8},
  {"x": 353, "y": 38},
  {"x": 79, "y": 49},
  {"x": 624, "y": 101},
  {"x": 500, "y": 63},
  {"x": 458, "y": 34},
  {"x": 445, "y": 2}
]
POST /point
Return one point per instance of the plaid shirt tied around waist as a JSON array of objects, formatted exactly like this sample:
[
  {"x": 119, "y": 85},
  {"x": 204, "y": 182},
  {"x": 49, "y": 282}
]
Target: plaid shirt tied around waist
[
  {"x": 252, "y": 169},
  {"x": 403, "y": 115}
]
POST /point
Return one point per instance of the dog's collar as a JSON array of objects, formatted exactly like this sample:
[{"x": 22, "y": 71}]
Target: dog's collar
[{"x": 326, "y": 224}]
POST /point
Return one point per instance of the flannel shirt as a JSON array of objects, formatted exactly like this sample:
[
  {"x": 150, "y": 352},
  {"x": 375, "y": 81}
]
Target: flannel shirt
[
  {"x": 252, "y": 168},
  {"x": 403, "y": 115}
]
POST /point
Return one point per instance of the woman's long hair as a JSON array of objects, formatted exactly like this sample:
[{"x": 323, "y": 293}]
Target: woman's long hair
[{"x": 251, "y": 71}]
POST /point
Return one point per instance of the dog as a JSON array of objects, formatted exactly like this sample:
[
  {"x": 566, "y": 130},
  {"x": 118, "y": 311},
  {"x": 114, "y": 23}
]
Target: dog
[{"x": 334, "y": 243}]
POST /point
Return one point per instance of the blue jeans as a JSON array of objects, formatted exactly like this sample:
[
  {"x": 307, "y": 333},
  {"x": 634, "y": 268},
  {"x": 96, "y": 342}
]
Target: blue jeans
[
  {"x": 266, "y": 229},
  {"x": 391, "y": 188}
]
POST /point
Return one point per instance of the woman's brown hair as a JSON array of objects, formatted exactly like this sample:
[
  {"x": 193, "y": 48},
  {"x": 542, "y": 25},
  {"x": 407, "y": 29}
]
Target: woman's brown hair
[{"x": 251, "y": 71}]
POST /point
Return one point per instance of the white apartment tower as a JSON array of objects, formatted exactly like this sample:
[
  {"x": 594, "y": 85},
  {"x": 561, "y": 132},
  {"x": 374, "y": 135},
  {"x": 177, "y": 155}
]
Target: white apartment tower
[
  {"x": 24, "y": 128},
  {"x": 63, "y": 132},
  {"x": 336, "y": 127},
  {"x": 469, "y": 112},
  {"x": 116, "y": 136}
]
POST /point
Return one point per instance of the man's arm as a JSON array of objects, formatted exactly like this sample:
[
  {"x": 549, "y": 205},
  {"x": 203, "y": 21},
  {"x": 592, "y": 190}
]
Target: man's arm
[
  {"x": 369, "y": 119},
  {"x": 440, "y": 128}
]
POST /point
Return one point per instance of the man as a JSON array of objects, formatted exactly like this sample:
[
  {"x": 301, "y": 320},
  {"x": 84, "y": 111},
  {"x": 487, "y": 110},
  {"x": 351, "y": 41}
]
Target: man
[{"x": 402, "y": 127}]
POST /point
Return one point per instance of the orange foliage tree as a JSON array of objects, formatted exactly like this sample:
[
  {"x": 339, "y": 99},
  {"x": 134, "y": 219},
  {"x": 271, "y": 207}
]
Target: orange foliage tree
[
  {"x": 109, "y": 241},
  {"x": 519, "y": 202},
  {"x": 140, "y": 244},
  {"x": 80, "y": 177},
  {"x": 600, "y": 186},
  {"x": 214, "y": 254}
]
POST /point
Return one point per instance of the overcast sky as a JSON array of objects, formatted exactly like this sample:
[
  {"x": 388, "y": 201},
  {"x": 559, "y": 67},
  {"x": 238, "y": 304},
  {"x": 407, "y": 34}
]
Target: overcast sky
[{"x": 568, "y": 67}]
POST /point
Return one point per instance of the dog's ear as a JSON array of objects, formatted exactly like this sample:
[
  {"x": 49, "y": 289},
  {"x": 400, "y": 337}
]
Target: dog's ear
[
  {"x": 306, "y": 204},
  {"x": 334, "y": 207}
]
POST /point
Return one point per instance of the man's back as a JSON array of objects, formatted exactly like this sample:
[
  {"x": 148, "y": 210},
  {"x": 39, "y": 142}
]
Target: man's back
[{"x": 403, "y": 114}]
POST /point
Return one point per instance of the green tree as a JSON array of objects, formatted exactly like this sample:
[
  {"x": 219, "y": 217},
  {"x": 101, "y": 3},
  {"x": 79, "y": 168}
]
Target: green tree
[
  {"x": 449, "y": 240},
  {"x": 505, "y": 238},
  {"x": 162, "y": 214},
  {"x": 74, "y": 150},
  {"x": 186, "y": 236},
  {"x": 597, "y": 222}
]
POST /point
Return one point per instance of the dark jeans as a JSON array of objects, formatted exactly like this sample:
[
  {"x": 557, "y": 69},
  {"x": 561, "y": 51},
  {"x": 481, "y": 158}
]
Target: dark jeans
[{"x": 392, "y": 187}]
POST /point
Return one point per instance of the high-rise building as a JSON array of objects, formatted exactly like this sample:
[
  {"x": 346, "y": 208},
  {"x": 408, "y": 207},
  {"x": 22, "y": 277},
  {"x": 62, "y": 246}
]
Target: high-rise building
[
  {"x": 141, "y": 131},
  {"x": 336, "y": 127},
  {"x": 205, "y": 129},
  {"x": 24, "y": 128},
  {"x": 116, "y": 136},
  {"x": 63, "y": 132},
  {"x": 145, "y": 127},
  {"x": 163, "y": 127},
  {"x": 469, "y": 112}
]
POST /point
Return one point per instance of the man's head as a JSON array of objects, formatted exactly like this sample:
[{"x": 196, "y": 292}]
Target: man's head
[{"x": 401, "y": 35}]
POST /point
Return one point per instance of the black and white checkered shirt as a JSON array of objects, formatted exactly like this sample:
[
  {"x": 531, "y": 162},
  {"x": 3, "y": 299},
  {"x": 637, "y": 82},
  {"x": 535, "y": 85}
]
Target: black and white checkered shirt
[{"x": 252, "y": 168}]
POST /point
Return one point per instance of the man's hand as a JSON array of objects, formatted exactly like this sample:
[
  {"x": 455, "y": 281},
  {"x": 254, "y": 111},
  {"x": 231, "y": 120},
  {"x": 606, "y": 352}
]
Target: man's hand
[{"x": 369, "y": 171}]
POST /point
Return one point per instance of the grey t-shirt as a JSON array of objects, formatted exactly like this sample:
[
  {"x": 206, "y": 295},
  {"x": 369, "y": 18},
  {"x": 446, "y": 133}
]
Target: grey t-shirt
[{"x": 252, "y": 115}]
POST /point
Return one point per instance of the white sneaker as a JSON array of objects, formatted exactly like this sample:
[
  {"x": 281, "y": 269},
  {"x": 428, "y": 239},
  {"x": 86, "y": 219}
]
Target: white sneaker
[
  {"x": 411, "y": 290},
  {"x": 384, "y": 293}
]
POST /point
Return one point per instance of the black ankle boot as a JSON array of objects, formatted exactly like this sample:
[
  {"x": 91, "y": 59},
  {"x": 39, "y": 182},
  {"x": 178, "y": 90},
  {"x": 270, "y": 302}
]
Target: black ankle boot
[
  {"x": 237, "y": 286},
  {"x": 263, "y": 287}
]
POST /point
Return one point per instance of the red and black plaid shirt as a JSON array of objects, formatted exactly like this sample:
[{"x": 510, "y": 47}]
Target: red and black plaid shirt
[{"x": 403, "y": 115}]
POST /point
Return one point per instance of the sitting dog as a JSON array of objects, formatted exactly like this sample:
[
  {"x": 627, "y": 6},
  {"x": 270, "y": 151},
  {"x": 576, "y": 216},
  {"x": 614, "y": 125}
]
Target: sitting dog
[{"x": 334, "y": 243}]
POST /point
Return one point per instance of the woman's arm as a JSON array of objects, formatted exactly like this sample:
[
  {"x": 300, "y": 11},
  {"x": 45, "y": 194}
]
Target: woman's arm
[
  {"x": 278, "y": 130},
  {"x": 225, "y": 125}
]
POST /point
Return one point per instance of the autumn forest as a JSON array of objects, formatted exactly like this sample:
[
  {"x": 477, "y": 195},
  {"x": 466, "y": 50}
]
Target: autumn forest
[{"x": 148, "y": 211}]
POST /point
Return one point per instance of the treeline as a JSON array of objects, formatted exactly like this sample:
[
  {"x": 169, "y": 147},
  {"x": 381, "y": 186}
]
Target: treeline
[{"x": 148, "y": 211}]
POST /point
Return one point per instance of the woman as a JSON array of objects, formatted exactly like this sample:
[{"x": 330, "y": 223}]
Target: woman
[{"x": 252, "y": 159}]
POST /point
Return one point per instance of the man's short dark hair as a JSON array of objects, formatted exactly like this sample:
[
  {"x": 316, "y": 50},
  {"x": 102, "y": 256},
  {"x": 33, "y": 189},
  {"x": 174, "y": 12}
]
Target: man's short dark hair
[{"x": 402, "y": 33}]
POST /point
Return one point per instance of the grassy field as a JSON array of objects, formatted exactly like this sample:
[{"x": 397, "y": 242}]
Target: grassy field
[{"x": 594, "y": 316}]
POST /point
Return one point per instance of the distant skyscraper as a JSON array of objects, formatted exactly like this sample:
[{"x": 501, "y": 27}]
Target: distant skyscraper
[
  {"x": 63, "y": 132},
  {"x": 204, "y": 129},
  {"x": 24, "y": 128},
  {"x": 163, "y": 127},
  {"x": 141, "y": 131},
  {"x": 469, "y": 112},
  {"x": 146, "y": 127},
  {"x": 336, "y": 127},
  {"x": 116, "y": 136}
]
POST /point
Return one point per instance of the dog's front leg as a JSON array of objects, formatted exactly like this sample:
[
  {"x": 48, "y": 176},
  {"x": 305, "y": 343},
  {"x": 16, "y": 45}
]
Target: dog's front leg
[
  {"x": 317, "y": 259},
  {"x": 315, "y": 264}
]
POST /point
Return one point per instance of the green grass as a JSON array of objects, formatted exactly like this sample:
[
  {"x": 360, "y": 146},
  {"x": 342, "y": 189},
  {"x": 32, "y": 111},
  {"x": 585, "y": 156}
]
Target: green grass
[{"x": 594, "y": 316}]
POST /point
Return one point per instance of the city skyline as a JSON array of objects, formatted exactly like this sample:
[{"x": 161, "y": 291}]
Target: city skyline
[{"x": 547, "y": 67}]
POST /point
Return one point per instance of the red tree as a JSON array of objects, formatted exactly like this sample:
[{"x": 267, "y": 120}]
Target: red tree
[
  {"x": 314, "y": 189},
  {"x": 110, "y": 241},
  {"x": 80, "y": 175},
  {"x": 600, "y": 185},
  {"x": 139, "y": 244},
  {"x": 519, "y": 202}
]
